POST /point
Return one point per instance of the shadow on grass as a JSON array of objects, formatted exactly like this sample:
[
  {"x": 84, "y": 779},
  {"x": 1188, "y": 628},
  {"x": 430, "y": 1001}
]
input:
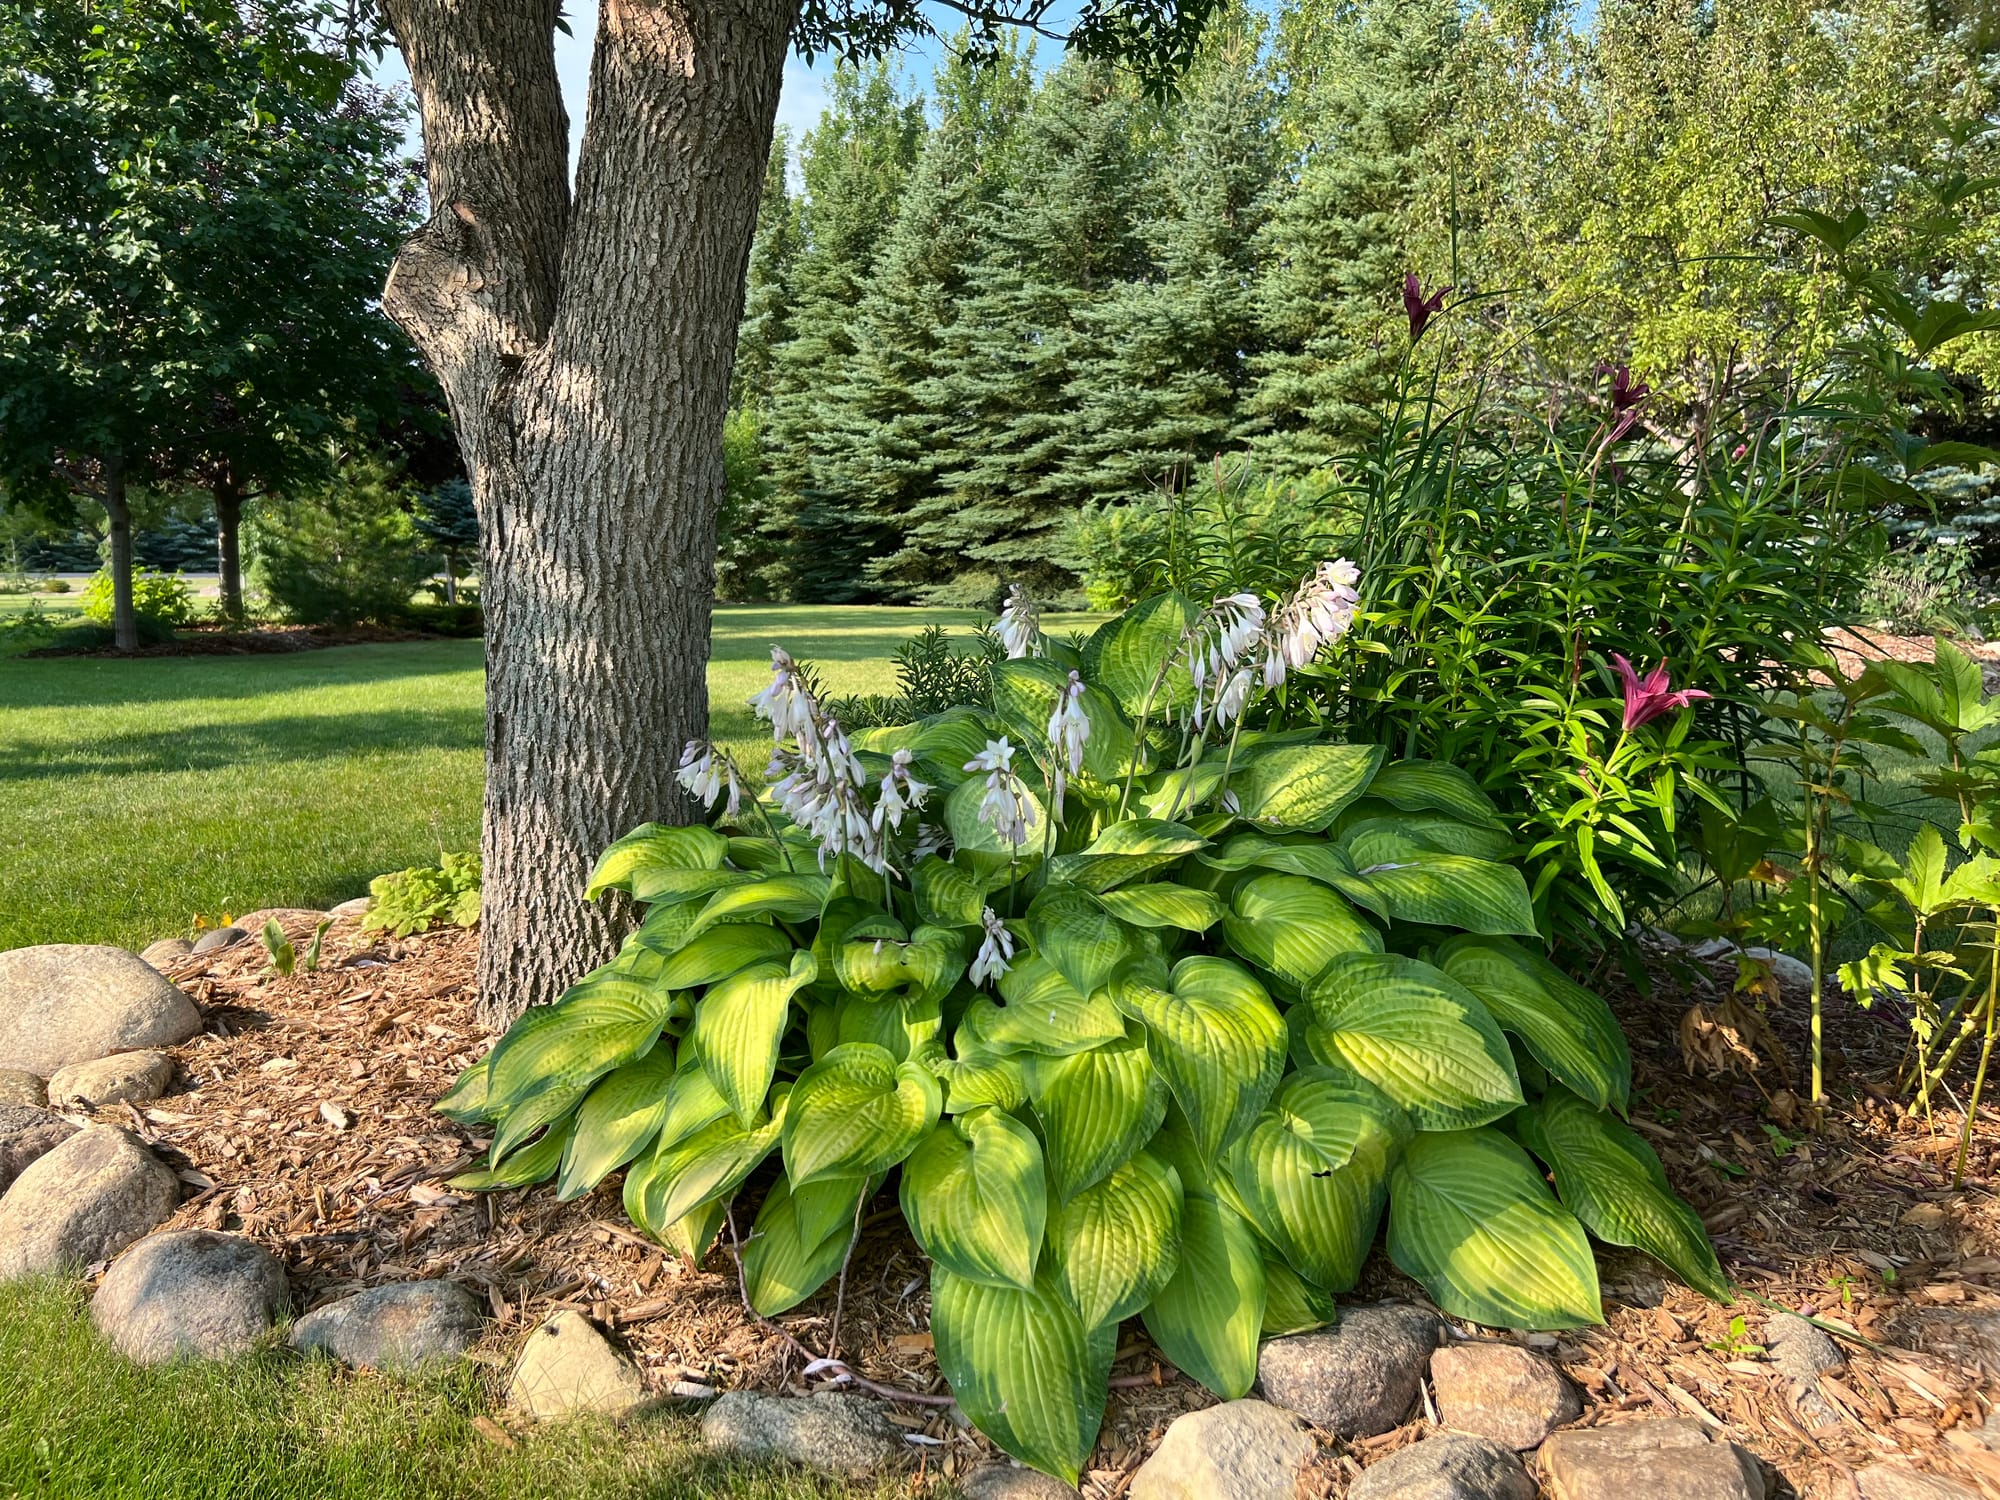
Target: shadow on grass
[{"x": 107, "y": 682}]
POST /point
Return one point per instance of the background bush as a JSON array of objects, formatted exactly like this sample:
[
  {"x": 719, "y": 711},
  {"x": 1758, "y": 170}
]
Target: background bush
[
  {"x": 161, "y": 600},
  {"x": 345, "y": 553}
]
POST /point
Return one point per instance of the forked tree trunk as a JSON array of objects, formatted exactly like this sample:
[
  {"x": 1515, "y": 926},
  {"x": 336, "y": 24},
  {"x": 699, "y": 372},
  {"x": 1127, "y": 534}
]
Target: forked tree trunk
[
  {"x": 585, "y": 352},
  {"x": 118, "y": 520}
]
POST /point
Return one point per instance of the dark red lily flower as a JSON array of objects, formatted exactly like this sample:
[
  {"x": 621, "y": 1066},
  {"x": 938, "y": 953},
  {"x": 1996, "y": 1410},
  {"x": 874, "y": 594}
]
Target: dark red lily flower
[
  {"x": 1421, "y": 308},
  {"x": 1646, "y": 699},
  {"x": 1625, "y": 400}
]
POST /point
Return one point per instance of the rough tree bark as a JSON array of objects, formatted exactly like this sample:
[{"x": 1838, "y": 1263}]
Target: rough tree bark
[
  {"x": 228, "y": 546},
  {"x": 585, "y": 350}
]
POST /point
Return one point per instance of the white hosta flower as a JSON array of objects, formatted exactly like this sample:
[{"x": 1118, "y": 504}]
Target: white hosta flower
[
  {"x": 1319, "y": 612},
  {"x": 1231, "y": 696},
  {"x": 785, "y": 704},
  {"x": 1020, "y": 622},
  {"x": 996, "y": 953},
  {"x": 900, "y": 793},
  {"x": 1228, "y": 628},
  {"x": 824, "y": 793},
  {"x": 709, "y": 773},
  {"x": 1005, "y": 805}
]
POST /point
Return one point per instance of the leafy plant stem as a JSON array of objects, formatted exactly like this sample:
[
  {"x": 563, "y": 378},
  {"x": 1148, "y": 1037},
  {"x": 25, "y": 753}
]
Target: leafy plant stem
[{"x": 1985, "y": 1058}]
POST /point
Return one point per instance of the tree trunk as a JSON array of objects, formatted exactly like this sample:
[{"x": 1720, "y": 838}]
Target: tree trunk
[
  {"x": 450, "y": 580},
  {"x": 118, "y": 513},
  {"x": 585, "y": 353},
  {"x": 228, "y": 551}
]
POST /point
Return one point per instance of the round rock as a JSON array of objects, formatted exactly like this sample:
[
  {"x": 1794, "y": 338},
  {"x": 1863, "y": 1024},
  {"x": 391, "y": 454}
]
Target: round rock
[
  {"x": 190, "y": 1294},
  {"x": 567, "y": 1367},
  {"x": 1450, "y": 1466},
  {"x": 1240, "y": 1450},
  {"x": 218, "y": 938},
  {"x": 1004, "y": 1481},
  {"x": 66, "y": 1003},
  {"x": 123, "y": 1077},
  {"x": 352, "y": 911},
  {"x": 393, "y": 1327},
  {"x": 166, "y": 951},
  {"x": 1503, "y": 1392},
  {"x": 82, "y": 1201},
  {"x": 25, "y": 1134},
  {"x": 834, "y": 1433},
  {"x": 19, "y": 1087},
  {"x": 1358, "y": 1378},
  {"x": 1671, "y": 1457}
]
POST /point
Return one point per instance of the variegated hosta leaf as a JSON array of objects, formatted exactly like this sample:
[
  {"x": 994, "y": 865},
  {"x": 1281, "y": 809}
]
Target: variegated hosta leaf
[
  {"x": 1471, "y": 1220},
  {"x": 1292, "y": 928},
  {"x": 1025, "y": 691},
  {"x": 1125, "y": 851},
  {"x": 654, "y": 846},
  {"x": 692, "y": 1099},
  {"x": 896, "y": 1025},
  {"x": 531, "y": 1163},
  {"x": 974, "y": 1074},
  {"x": 975, "y": 1197},
  {"x": 1113, "y": 1246},
  {"x": 1429, "y": 786},
  {"x": 1213, "y": 1035},
  {"x": 1124, "y": 656},
  {"x": 1208, "y": 1317},
  {"x": 1079, "y": 937},
  {"x": 662, "y": 887},
  {"x": 857, "y": 1111},
  {"x": 1417, "y": 1034},
  {"x": 1304, "y": 786},
  {"x": 618, "y": 1118},
  {"x": 1389, "y": 840},
  {"x": 1096, "y": 1109},
  {"x": 872, "y": 963},
  {"x": 790, "y": 898},
  {"x": 1024, "y": 1368},
  {"x": 738, "y": 1025},
  {"x": 969, "y": 833},
  {"x": 719, "y": 952},
  {"x": 673, "y": 1180},
  {"x": 1448, "y": 890},
  {"x": 465, "y": 1101},
  {"x": 1314, "y": 858},
  {"x": 1566, "y": 1028},
  {"x": 692, "y": 1233},
  {"x": 1045, "y": 1013},
  {"x": 1291, "y": 1303},
  {"x": 787, "y": 1260},
  {"x": 550, "y": 1057},
  {"x": 946, "y": 895},
  {"x": 665, "y": 927},
  {"x": 1164, "y": 905},
  {"x": 829, "y": 1204},
  {"x": 1314, "y": 1171},
  {"x": 1611, "y": 1179}
]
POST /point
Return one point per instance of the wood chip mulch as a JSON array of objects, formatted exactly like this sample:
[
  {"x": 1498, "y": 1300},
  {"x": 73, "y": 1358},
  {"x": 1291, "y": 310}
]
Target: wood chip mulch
[{"x": 303, "y": 1120}]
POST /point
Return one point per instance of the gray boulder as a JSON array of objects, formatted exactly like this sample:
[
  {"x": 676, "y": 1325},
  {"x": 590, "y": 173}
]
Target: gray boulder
[
  {"x": 166, "y": 951},
  {"x": 1672, "y": 1457},
  {"x": 1005, "y": 1481},
  {"x": 18, "y": 1087},
  {"x": 1898, "y": 1481},
  {"x": 568, "y": 1368},
  {"x": 83, "y": 1201},
  {"x": 832, "y": 1432},
  {"x": 397, "y": 1327},
  {"x": 1451, "y": 1466},
  {"x": 123, "y": 1077},
  {"x": 1357, "y": 1378},
  {"x": 25, "y": 1134},
  {"x": 67, "y": 1003},
  {"x": 218, "y": 938},
  {"x": 353, "y": 910},
  {"x": 1240, "y": 1450},
  {"x": 190, "y": 1294},
  {"x": 1502, "y": 1392},
  {"x": 1803, "y": 1352}
]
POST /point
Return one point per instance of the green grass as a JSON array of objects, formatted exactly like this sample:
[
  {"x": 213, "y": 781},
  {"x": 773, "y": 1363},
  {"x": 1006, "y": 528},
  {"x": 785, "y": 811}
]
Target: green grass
[{"x": 77, "y": 1420}]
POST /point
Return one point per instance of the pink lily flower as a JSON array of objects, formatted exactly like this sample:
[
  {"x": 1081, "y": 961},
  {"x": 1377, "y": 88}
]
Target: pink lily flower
[
  {"x": 1421, "y": 308},
  {"x": 1648, "y": 698}
]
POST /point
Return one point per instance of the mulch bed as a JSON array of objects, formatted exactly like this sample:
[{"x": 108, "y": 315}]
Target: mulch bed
[
  {"x": 264, "y": 640},
  {"x": 305, "y": 1122}
]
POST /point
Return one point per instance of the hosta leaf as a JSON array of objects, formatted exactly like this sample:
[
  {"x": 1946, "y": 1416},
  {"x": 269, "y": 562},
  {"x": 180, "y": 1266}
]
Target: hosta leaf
[
  {"x": 789, "y": 898},
  {"x": 968, "y": 832},
  {"x": 1168, "y": 794},
  {"x": 1096, "y": 1109},
  {"x": 1418, "y": 1035},
  {"x": 1449, "y": 890},
  {"x": 1045, "y": 1013},
  {"x": 1610, "y": 1179},
  {"x": 1208, "y": 1317},
  {"x": 975, "y": 1197},
  {"x": 1427, "y": 786},
  {"x": 786, "y": 1261},
  {"x": 1566, "y": 1028},
  {"x": 898, "y": 1026},
  {"x": 1125, "y": 851},
  {"x": 672, "y": 1181},
  {"x": 531, "y": 1163},
  {"x": 1083, "y": 940},
  {"x": 1291, "y": 1303},
  {"x": 550, "y": 1057},
  {"x": 857, "y": 1111},
  {"x": 1388, "y": 840},
  {"x": 1164, "y": 905},
  {"x": 665, "y": 928},
  {"x": 719, "y": 952},
  {"x": 1113, "y": 1246},
  {"x": 828, "y": 1205},
  {"x": 1304, "y": 786},
  {"x": 1313, "y": 1173},
  {"x": 1213, "y": 1035},
  {"x": 618, "y": 1119},
  {"x": 666, "y": 888},
  {"x": 737, "y": 1027},
  {"x": 1472, "y": 1221},
  {"x": 655, "y": 846},
  {"x": 1024, "y": 1368},
  {"x": 927, "y": 962},
  {"x": 1292, "y": 928},
  {"x": 692, "y": 1099},
  {"x": 946, "y": 895},
  {"x": 1125, "y": 655},
  {"x": 692, "y": 1233},
  {"x": 1025, "y": 691},
  {"x": 973, "y": 1073},
  {"x": 465, "y": 1101}
]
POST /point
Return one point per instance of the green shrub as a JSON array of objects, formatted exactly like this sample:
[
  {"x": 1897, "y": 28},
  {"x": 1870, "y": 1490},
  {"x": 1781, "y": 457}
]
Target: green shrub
[
  {"x": 932, "y": 675},
  {"x": 55, "y": 585},
  {"x": 161, "y": 601},
  {"x": 425, "y": 896},
  {"x": 1154, "y": 1015},
  {"x": 1921, "y": 590},
  {"x": 345, "y": 553}
]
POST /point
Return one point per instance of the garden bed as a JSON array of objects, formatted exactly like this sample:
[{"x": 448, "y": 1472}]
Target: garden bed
[
  {"x": 306, "y": 1123},
  {"x": 264, "y": 640}
]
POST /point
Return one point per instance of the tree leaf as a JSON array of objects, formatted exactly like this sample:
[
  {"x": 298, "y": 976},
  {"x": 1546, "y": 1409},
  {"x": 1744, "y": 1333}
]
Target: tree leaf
[
  {"x": 1565, "y": 1028},
  {"x": 976, "y": 1199},
  {"x": 618, "y": 1119},
  {"x": 857, "y": 1111},
  {"x": 1472, "y": 1221},
  {"x": 1292, "y": 928},
  {"x": 737, "y": 1027},
  {"x": 1096, "y": 1109},
  {"x": 1112, "y": 1246},
  {"x": 1208, "y": 1317},
  {"x": 1304, "y": 786}
]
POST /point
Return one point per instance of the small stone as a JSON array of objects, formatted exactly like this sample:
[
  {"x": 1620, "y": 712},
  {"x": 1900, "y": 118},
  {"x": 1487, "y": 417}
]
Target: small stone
[
  {"x": 1671, "y": 1457},
  {"x": 1802, "y": 1352},
  {"x": 1502, "y": 1392},
  {"x": 1450, "y": 1466},
  {"x": 65, "y": 1003},
  {"x": 1715, "y": 947},
  {"x": 568, "y": 1367},
  {"x": 83, "y": 1201},
  {"x": 217, "y": 938},
  {"x": 190, "y": 1294},
  {"x": 1241, "y": 1450},
  {"x": 166, "y": 951},
  {"x": 832, "y": 1432},
  {"x": 1005, "y": 1481},
  {"x": 398, "y": 1327},
  {"x": 26, "y": 1133},
  {"x": 123, "y": 1077},
  {"x": 351, "y": 911},
  {"x": 17, "y": 1087},
  {"x": 1357, "y": 1378},
  {"x": 1895, "y": 1481}
]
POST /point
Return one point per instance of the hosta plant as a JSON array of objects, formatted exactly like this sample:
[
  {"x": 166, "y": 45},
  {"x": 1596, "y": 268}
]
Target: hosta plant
[{"x": 1149, "y": 1015}]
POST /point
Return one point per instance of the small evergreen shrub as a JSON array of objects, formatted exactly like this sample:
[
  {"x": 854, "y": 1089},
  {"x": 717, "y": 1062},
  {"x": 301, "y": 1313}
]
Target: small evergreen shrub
[{"x": 345, "y": 553}]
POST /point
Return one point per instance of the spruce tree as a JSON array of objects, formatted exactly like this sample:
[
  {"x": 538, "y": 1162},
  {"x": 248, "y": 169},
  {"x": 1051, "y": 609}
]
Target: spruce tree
[{"x": 767, "y": 289}]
